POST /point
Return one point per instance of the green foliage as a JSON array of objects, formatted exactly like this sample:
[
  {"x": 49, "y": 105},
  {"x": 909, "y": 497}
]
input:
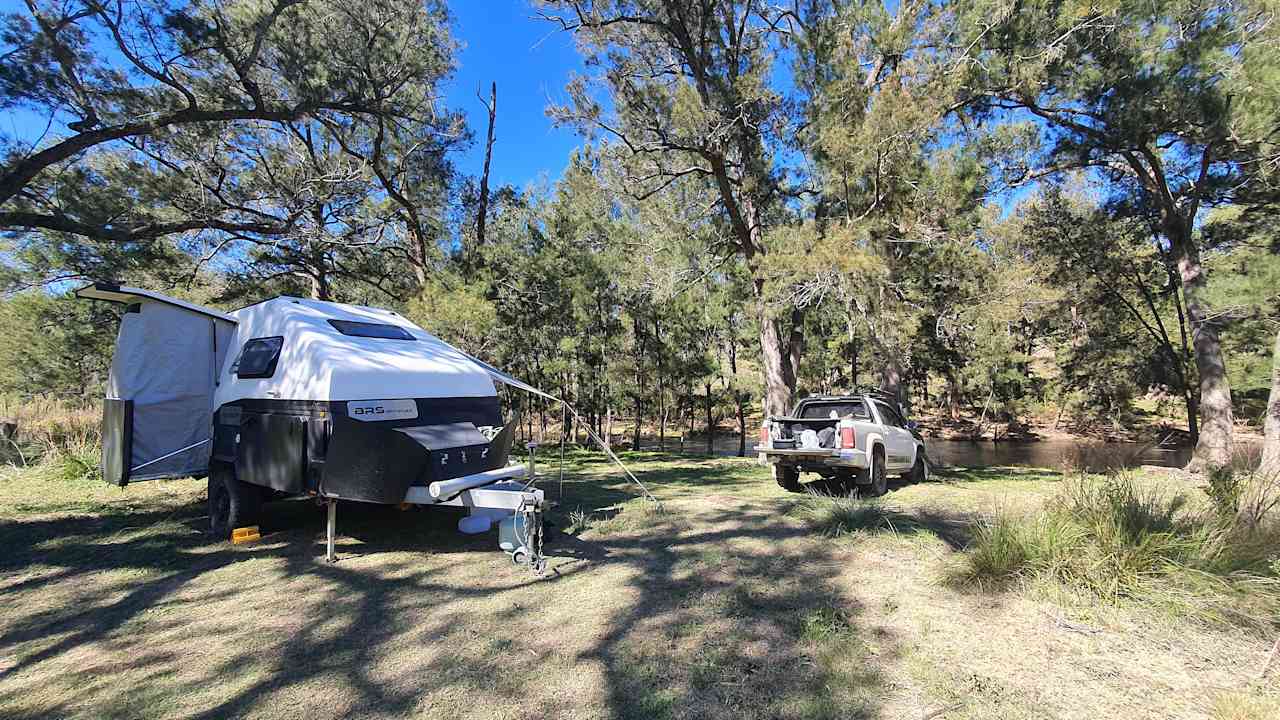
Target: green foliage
[
  {"x": 54, "y": 345},
  {"x": 299, "y": 140},
  {"x": 458, "y": 311}
]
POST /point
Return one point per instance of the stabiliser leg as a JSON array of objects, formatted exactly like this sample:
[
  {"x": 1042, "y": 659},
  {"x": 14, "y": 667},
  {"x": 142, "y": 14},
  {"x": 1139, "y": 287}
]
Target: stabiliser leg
[{"x": 331, "y": 528}]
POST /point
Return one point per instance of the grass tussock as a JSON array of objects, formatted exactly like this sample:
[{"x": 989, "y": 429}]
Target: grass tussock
[
  {"x": 638, "y": 515},
  {"x": 837, "y": 517},
  {"x": 1115, "y": 538}
]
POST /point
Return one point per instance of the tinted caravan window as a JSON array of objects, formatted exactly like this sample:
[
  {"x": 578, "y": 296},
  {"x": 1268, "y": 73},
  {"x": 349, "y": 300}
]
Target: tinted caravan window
[
  {"x": 371, "y": 330},
  {"x": 258, "y": 358}
]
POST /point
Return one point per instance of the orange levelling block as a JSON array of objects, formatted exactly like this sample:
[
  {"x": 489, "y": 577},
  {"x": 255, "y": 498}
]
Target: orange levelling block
[{"x": 245, "y": 535}]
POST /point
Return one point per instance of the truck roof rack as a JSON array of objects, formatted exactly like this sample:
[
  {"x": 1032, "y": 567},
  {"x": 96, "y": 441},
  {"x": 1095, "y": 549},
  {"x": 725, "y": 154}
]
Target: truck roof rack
[{"x": 883, "y": 396}]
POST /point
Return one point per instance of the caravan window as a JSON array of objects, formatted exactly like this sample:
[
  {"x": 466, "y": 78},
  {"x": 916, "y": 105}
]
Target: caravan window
[
  {"x": 258, "y": 358},
  {"x": 371, "y": 330}
]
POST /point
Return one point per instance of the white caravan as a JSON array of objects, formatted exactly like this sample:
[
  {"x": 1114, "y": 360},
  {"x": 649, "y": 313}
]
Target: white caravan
[{"x": 302, "y": 397}]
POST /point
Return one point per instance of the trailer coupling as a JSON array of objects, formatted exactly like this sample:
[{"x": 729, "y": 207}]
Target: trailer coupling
[
  {"x": 520, "y": 536},
  {"x": 520, "y": 507}
]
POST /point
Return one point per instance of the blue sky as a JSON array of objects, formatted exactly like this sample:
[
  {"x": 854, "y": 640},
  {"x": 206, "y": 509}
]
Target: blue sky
[{"x": 531, "y": 61}]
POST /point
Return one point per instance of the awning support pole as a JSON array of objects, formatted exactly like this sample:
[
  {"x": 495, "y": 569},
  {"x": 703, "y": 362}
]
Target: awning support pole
[{"x": 332, "y": 526}]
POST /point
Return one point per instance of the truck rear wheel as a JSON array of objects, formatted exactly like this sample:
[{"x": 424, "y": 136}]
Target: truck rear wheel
[
  {"x": 920, "y": 471},
  {"x": 232, "y": 504},
  {"x": 788, "y": 478},
  {"x": 878, "y": 474}
]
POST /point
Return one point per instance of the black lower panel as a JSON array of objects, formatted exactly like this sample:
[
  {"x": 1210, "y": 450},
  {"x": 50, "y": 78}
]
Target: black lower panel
[
  {"x": 301, "y": 446},
  {"x": 370, "y": 462},
  {"x": 117, "y": 440},
  {"x": 270, "y": 452}
]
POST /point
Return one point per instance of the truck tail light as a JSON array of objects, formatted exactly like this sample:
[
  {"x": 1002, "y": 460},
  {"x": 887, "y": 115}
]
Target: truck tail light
[{"x": 848, "y": 438}]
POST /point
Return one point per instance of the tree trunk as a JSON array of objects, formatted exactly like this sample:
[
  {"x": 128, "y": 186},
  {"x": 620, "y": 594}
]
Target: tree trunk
[
  {"x": 635, "y": 431},
  {"x": 1189, "y": 394},
  {"x": 418, "y": 254},
  {"x": 1271, "y": 428},
  {"x": 320, "y": 285},
  {"x": 542, "y": 420},
  {"x": 953, "y": 395},
  {"x": 482, "y": 210},
  {"x": 853, "y": 351},
  {"x": 1213, "y": 449},
  {"x": 891, "y": 378},
  {"x": 795, "y": 348},
  {"x": 711, "y": 426},
  {"x": 778, "y": 393},
  {"x": 738, "y": 403},
  {"x": 742, "y": 429}
]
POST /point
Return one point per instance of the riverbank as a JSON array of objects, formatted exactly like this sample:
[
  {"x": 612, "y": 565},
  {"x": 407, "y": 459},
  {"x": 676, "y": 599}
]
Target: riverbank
[{"x": 734, "y": 600}]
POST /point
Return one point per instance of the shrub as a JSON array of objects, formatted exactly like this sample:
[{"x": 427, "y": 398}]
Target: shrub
[{"x": 1224, "y": 489}]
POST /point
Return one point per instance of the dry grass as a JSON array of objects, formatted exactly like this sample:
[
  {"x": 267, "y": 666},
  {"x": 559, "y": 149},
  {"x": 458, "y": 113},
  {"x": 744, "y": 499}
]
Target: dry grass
[
  {"x": 49, "y": 427},
  {"x": 1122, "y": 538},
  {"x": 735, "y": 600}
]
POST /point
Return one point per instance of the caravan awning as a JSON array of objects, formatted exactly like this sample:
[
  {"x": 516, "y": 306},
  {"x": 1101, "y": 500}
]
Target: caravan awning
[{"x": 120, "y": 294}]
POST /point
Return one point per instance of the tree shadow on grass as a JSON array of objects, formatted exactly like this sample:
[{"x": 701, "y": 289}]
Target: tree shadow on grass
[
  {"x": 729, "y": 613},
  {"x": 839, "y": 516},
  {"x": 163, "y": 556},
  {"x": 738, "y": 615}
]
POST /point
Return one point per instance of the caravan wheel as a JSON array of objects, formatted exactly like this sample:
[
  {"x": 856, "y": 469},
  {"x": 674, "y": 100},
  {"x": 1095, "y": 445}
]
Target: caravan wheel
[{"x": 232, "y": 504}]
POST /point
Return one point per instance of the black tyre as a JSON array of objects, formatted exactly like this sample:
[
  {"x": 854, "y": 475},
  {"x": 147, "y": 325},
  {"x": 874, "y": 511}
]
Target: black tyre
[
  {"x": 232, "y": 504},
  {"x": 845, "y": 483},
  {"x": 879, "y": 477},
  {"x": 788, "y": 478},
  {"x": 920, "y": 471}
]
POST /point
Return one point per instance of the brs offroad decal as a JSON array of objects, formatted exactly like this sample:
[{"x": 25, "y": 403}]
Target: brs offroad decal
[{"x": 375, "y": 410}]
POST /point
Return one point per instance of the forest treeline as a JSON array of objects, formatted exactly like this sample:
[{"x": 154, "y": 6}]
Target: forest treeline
[{"x": 998, "y": 209}]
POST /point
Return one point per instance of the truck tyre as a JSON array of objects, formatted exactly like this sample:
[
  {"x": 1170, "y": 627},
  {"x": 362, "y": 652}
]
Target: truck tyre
[
  {"x": 232, "y": 504},
  {"x": 920, "y": 471},
  {"x": 846, "y": 483},
  {"x": 879, "y": 477},
  {"x": 788, "y": 478}
]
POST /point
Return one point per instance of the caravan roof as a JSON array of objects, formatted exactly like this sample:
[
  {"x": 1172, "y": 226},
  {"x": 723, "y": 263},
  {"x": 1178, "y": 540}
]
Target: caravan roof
[{"x": 333, "y": 351}]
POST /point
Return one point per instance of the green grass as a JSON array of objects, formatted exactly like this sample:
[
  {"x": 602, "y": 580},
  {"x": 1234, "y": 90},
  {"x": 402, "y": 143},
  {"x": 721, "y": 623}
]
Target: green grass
[
  {"x": 730, "y": 599},
  {"x": 1119, "y": 538}
]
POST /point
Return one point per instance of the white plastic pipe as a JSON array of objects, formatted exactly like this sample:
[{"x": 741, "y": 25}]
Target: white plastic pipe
[{"x": 451, "y": 487}]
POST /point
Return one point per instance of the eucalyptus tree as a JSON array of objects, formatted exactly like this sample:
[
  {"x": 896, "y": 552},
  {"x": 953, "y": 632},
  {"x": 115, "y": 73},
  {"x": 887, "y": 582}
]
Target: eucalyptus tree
[
  {"x": 692, "y": 101},
  {"x": 1144, "y": 94},
  {"x": 115, "y": 84}
]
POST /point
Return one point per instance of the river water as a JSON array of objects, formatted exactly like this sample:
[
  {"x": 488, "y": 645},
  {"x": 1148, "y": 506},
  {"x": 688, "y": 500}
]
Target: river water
[{"x": 1083, "y": 454}]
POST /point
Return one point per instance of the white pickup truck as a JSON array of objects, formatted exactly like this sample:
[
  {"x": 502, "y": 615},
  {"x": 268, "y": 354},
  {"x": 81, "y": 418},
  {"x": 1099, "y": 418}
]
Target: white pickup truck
[{"x": 848, "y": 440}]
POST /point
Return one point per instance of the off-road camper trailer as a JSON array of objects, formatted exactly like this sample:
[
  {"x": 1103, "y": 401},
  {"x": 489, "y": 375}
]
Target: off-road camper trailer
[{"x": 302, "y": 397}]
